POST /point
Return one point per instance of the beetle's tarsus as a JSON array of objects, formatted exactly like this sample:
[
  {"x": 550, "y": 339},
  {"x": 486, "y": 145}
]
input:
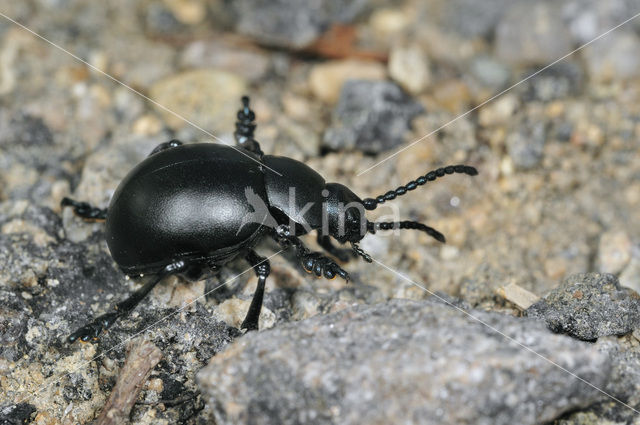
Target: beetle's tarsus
[
  {"x": 91, "y": 331},
  {"x": 84, "y": 209}
]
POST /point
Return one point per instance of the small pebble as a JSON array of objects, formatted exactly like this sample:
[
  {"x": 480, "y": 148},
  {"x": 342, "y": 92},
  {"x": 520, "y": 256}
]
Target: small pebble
[
  {"x": 614, "y": 251},
  {"x": 371, "y": 116},
  {"x": 326, "y": 79},
  {"x": 202, "y": 96},
  {"x": 409, "y": 67}
]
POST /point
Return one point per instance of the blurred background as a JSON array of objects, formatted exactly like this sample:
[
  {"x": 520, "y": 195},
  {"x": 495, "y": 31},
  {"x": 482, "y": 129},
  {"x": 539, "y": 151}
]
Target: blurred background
[{"x": 341, "y": 85}]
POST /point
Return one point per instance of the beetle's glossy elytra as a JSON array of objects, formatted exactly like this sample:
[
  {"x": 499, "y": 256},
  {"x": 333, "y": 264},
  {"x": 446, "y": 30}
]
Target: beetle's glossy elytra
[{"x": 182, "y": 203}]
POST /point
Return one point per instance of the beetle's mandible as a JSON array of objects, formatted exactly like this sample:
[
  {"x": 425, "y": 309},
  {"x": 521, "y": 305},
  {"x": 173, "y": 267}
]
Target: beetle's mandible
[{"x": 183, "y": 210}]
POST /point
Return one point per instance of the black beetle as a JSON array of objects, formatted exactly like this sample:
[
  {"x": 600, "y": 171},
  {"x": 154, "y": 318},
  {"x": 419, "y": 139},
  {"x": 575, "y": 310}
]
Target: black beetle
[{"x": 187, "y": 209}]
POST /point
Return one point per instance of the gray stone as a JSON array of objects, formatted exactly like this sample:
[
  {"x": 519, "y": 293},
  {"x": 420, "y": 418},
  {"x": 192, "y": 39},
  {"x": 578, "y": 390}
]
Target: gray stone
[
  {"x": 588, "y": 306},
  {"x": 401, "y": 362},
  {"x": 562, "y": 80},
  {"x": 292, "y": 23},
  {"x": 472, "y": 18},
  {"x": 624, "y": 385},
  {"x": 532, "y": 33},
  {"x": 490, "y": 72},
  {"x": 614, "y": 57},
  {"x": 205, "y": 94},
  {"x": 625, "y": 371},
  {"x": 371, "y": 116},
  {"x": 587, "y": 19},
  {"x": 526, "y": 145},
  {"x": 16, "y": 414},
  {"x": 248, "y": 63}
]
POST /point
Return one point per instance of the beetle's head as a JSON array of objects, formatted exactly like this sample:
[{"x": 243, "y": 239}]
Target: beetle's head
[{"x": 344, "y": 211}]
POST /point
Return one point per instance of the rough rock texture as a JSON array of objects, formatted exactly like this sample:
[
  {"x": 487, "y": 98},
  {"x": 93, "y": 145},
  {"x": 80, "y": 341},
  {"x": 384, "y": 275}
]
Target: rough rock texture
[
  {"x": 371, "y": 116},
  {"x": 400, "y": 362},
  {"x": 292, "y": 23},
  {"x": 588, "y": 306},
  {"x": 49, "y": 286}
]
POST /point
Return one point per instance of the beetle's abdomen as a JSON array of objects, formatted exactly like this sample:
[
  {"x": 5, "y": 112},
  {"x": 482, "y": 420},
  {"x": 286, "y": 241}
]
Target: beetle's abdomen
[{"x": 185, "y": 202}]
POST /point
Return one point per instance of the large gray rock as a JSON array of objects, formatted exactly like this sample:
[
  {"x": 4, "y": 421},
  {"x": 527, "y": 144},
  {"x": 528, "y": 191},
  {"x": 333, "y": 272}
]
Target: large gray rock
[
  {"x": 401, "y": 362},
  {"x": 292, "y": 23},
  {"x": 588, "y": 306},
  {"x": 371, "y": 116}
]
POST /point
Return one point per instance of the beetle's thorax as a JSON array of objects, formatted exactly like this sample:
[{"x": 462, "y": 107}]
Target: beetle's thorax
[{"x": 295, "y": 196}]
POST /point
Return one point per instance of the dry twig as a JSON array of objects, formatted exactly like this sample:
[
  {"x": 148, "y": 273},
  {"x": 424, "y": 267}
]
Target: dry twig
[{"x": 142, "y": 358}]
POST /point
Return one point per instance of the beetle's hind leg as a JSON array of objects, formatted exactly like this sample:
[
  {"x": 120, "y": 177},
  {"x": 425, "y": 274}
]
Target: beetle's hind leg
[
  {"x": 245, "y": 127},
  {"x": 341, "y": 254},
  {"x": 166, "y": 145},
  {"x": 92, "y": 330},
  {"x": 262, "y": 268},
  {"x": 84, "y": 210}
]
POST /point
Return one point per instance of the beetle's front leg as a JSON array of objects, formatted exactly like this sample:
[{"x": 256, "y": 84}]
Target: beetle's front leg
[
  {"x": 312, "y": 262},
  {"x": 84, "y": 210}
]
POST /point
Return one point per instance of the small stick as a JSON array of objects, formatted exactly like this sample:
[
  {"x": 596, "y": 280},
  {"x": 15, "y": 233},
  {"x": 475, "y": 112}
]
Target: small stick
[
  {"x": 517, "y": 295},
  {"x": 142, "y": 358}
]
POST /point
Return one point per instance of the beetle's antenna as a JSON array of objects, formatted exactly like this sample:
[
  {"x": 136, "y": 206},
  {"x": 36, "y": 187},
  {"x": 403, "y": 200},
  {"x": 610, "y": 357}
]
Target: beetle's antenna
[
  {"x": 372, "y": 227},
  {"x": 372, "y": 204}
]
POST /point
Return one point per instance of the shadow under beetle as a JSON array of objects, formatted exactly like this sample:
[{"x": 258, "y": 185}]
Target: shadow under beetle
[{"x": 183, "y": 211}]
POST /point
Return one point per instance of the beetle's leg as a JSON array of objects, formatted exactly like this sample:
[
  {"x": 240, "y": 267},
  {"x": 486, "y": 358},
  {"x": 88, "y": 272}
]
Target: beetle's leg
[
  {"x": 245, "y": 126},
  {"x": 262, "y": 268},
  {"x": 312, "y": 262},
  {"x": 340, "y": 253},
  {"x": 92, "y": 330},
  {"x": 84, "y": 210},
  {"x": 166, "y": 145}
]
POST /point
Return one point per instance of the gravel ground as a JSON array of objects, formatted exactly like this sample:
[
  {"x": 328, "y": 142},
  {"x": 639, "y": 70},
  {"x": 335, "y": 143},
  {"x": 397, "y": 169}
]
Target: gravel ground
[{"x": 340, "y": 85}]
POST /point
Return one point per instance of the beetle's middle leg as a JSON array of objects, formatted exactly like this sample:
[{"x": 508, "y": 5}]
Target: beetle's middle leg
[
  {"x": 84, "y": 210},
  {"x": 245, "y": 127},
  {"x": 92, "y": 330},
  {"x": 262, "y": 268}
]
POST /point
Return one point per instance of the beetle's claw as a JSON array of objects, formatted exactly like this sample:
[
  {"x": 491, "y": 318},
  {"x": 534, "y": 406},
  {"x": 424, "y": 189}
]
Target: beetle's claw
[
  {"x": 322, "y": 266},
  {"x": 91, "y": 331}
]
